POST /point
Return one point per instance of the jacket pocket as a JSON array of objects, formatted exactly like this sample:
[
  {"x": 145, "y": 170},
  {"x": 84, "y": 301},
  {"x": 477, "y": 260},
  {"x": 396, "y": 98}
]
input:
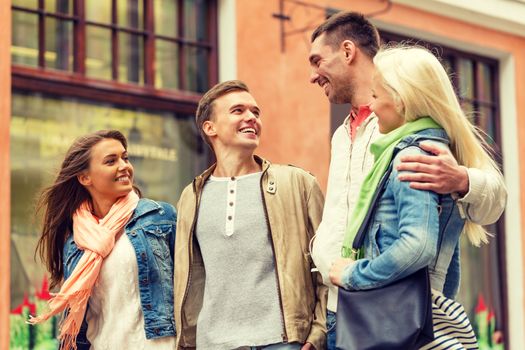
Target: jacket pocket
[
  {"x": 158, "y": 239},
  {"x": 373, "y": 246}
]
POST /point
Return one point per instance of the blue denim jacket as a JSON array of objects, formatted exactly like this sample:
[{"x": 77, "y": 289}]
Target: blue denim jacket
[
  {"x": 408, "y": 229},
  {"x": 151, "y": 231}
]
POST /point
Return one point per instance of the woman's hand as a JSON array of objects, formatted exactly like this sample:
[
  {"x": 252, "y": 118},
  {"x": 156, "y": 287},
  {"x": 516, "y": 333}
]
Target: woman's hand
[{"x": 336, "y": 271}]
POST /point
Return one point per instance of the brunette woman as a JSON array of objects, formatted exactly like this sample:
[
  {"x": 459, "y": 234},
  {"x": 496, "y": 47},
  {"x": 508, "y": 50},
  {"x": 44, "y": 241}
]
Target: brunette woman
[{"x": 112, "y": 252}]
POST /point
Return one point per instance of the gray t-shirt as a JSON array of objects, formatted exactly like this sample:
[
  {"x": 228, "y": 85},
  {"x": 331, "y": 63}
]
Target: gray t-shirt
[{"x": 241, "y": 303}]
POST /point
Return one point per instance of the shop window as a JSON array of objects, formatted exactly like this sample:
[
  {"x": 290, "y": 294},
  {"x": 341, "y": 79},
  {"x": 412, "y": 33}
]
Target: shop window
[{"x": 163, "y": 149}]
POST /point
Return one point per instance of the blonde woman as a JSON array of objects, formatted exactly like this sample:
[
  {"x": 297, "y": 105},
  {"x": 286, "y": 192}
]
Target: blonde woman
[{"x": 411, "y": 229}]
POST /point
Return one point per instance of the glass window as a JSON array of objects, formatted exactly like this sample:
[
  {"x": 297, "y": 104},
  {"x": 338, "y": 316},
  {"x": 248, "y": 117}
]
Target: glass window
[
  {"x": 59, "y": 44},
  {"x": 130, "y": 14},
  {"x": 126, "y": 41},
  {"x": 59, "y": 6},
  {"x": 131, "y": 63},
  {"x": 98, "y": 53},
  {"x": 99, "y": 12},
  {"x": 24, "y": 49},
  {"x": 167, "y": 57},
  {"x": 164, "y": 149},
  {"x": 166, "y": 18}
]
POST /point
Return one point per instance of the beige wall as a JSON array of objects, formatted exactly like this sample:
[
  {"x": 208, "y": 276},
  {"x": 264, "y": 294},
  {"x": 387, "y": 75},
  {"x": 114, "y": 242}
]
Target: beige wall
[{"x": 5, "y": 197}]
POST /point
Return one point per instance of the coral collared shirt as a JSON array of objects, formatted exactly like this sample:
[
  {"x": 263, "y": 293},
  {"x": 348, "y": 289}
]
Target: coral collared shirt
[{"x": 356, "y": 119}]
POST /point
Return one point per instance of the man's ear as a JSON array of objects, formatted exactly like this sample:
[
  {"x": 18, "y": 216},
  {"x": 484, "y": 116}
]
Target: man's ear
[
  {"x": 209, "y": 128},
  {"x": 349, "y": 50},
  {"x": 84, "y": 179}
]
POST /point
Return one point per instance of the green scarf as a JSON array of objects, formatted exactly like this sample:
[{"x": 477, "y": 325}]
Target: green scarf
[{"x": 382, "y": 150}]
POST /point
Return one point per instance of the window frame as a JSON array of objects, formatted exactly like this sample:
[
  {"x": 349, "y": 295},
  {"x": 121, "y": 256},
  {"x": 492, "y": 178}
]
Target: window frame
[{"x": 75, "y": 83}]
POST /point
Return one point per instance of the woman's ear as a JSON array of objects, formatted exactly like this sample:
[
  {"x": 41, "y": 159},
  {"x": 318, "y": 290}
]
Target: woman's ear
[
  {"x": 209, "y": 128},
  {"x": 84, "y": 179},
  {"x": 400, "y": 106}
]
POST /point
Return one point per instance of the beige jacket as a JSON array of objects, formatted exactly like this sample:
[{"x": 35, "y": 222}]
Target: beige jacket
[{"x": 293, "y": 202}]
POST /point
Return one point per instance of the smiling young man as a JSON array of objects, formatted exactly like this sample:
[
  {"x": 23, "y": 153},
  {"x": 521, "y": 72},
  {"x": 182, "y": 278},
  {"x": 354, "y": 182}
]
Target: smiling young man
[
  {"x": 243, "y": 276},
  {"x": 341, "y": 57}
]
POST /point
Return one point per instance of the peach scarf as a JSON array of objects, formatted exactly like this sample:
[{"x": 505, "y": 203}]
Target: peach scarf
[{"x": 97, "y": 240}]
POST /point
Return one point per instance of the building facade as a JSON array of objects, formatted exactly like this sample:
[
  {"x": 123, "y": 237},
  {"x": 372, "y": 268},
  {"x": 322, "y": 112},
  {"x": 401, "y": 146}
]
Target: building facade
[{"x": 140, "y": 66}]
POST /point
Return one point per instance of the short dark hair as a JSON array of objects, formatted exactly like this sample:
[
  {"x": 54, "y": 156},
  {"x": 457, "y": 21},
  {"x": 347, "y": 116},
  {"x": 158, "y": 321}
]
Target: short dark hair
[
  {"x": 350, "y": 25},
  {"x": 205, "y": 107}
]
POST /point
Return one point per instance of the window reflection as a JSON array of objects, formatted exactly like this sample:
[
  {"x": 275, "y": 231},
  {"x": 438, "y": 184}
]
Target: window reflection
[
  {"x": 131, "y": 64},
  {"x": 24, "y": 49},
  {"x": 164, "y": 149},
  {"x": 167, "y": 57},
  {"x": 166, "y": 18},
  {"x": 59, "y": 44},
  {"x": 98, "y": 50}
]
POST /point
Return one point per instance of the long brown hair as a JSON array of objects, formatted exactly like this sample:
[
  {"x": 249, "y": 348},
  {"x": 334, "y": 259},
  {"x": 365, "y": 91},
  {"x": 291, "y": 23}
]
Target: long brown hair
[{"x": 60, "y": 200}]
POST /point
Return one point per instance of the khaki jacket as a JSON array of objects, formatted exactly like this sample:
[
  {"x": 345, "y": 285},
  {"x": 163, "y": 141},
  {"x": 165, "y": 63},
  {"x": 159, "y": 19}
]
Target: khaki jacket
[{"x": 293, "y": 202}]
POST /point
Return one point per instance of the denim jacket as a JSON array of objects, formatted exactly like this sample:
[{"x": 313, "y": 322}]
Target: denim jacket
[
  {"x": 410, "y": 229},
  {"x": 151, "y": 231}
]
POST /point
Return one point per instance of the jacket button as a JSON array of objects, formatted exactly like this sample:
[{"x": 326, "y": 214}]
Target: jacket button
[
  {"x": 271, "y": 188},
  {"x": 271, "y": 182}
]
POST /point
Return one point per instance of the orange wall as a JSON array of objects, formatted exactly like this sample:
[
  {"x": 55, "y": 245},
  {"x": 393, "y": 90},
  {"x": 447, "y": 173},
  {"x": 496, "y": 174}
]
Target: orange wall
[
  {"x": 5, "y": 197},
  {"x": 296, "y": 113}
]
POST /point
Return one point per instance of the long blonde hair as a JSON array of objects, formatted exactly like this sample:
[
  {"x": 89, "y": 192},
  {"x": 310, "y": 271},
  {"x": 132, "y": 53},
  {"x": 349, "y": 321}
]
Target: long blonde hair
[{"x": 419, "y": 83}]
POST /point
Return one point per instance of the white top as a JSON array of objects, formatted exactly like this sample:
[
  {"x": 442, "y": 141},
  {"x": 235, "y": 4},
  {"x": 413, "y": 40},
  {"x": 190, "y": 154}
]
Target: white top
[
  {"x": 350, "y": 162},
  {"x": 114, "y": 316}
]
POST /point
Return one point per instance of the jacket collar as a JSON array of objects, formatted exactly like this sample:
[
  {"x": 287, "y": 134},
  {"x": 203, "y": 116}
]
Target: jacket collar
[
  {"x": 199, "y": 181},
  {"x": 438, "y": 135},
  {"x": 144, "y": 206}
]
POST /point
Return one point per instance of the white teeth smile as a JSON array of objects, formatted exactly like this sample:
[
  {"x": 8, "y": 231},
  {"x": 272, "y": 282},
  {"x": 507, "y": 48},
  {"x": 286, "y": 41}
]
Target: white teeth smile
[
  {"x": 122, "y": 179},
  {"x": 248, "y": 130}
]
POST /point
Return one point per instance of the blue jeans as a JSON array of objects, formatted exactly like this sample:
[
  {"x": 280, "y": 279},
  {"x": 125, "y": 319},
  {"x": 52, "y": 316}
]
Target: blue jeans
[{"x": 330, "y": 327}]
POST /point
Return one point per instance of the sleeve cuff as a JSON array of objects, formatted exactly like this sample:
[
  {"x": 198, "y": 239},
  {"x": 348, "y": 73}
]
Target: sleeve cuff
[
  {"x": 346, "y": 277},
  {"x": 476, "y": 180}
]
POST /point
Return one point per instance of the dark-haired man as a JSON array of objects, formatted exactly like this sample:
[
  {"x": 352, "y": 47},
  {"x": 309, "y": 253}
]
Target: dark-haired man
[
  {"x": 341, "y": 57},
  {"x": 243, "y": 276}
]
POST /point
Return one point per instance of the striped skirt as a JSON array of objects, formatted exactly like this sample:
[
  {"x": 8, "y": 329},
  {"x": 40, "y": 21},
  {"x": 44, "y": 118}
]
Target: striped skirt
[{"x": 452, "y": 328}]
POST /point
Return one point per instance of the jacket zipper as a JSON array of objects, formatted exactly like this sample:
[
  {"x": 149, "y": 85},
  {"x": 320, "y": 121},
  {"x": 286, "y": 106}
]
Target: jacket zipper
[
  {"x": 190, "y": 249},
  {"x": 284, "y": 335}
]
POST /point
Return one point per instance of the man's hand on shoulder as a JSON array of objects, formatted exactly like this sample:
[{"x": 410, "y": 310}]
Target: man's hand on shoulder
[{"x": 439, "y": 172}]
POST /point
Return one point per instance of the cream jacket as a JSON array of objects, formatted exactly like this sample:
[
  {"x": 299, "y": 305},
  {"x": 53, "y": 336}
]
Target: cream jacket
[{"x": 293, "y": 202}]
